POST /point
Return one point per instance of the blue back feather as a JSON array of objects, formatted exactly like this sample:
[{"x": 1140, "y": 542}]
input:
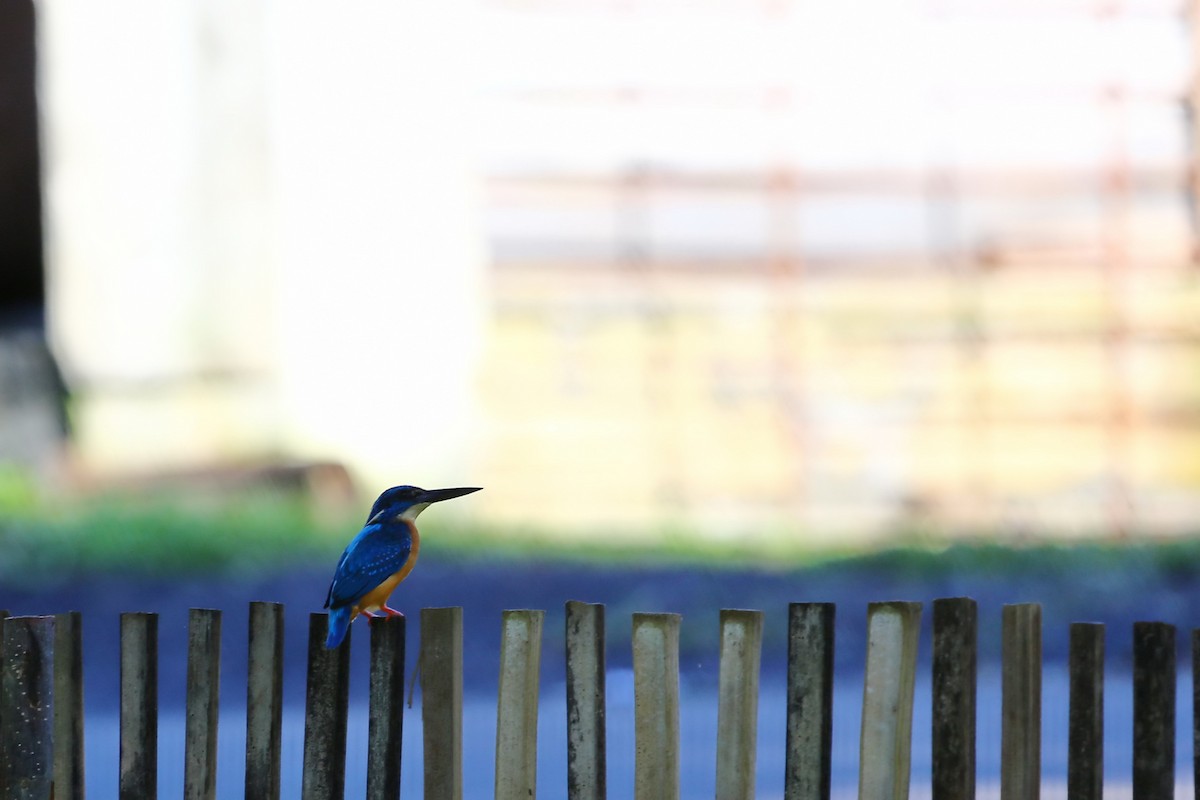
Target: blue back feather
[{"x": 377, "y": 552}]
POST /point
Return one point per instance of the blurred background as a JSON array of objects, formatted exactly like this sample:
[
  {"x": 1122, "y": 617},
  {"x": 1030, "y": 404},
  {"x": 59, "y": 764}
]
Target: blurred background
[
  {"x": 843, "y": 269},
  {"x": 722, "y": 282}
]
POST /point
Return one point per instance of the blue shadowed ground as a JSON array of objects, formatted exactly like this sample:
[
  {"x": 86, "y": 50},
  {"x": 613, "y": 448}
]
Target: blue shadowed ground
[{"x": 1070, "y": 590}]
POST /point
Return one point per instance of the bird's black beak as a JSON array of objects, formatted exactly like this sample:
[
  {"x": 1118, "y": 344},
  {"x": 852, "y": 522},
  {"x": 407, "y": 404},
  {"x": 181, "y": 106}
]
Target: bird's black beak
[{"x": 437, "y": 495}]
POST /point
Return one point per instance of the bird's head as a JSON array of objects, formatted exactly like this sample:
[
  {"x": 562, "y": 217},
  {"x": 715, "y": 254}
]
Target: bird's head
[{"x": 406, "y": 502}]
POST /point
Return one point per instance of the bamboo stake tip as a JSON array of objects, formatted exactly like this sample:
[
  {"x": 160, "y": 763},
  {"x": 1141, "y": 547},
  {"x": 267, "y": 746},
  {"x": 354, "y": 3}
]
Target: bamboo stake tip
[{"x": 904, "y": 608}]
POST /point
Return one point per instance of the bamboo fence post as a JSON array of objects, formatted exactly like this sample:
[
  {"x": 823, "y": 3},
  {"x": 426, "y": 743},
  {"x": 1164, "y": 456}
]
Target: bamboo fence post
[
  {"x": 441, "y": 666},
  {"x": 325, "y": 706},
  {"x": 264, "y": 700},
  {"x": 27, "y": 700},
  {"x": 885, "y": 749},
  {"x": 1196, "y": 711},
  {"x": 203, "y": 704},
  {"x": 586, "y": 727},
  {"x": 139, "y": 706},
  {"x": 656, "y": 706},
  {"x": 3, "y": 616},
  {"x": 516, "y": 708},
  {"x": 385, "y": 729},
  {"x": 1153, "y": 711},
  {"x": 737, "y": 705},
  {"x": 1021, "y": 702},
  {"x": 1085, "y": 742},
  {"x": 955, "y": 637},
  {"x": 809, "y": 701},
  {"x": 68, "y": 706}
]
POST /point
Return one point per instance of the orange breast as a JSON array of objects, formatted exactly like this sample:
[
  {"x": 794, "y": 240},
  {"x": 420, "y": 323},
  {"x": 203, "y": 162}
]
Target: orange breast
[{"x": 377, "y": 598}]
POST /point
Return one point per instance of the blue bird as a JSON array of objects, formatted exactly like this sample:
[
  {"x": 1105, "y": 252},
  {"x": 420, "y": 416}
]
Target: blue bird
[{"x": 379, "y": 557}]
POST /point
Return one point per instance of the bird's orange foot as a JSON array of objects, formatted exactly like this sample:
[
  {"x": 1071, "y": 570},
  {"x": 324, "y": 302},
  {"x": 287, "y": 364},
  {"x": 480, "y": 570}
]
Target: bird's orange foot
[{"x": 391, "y": 612}]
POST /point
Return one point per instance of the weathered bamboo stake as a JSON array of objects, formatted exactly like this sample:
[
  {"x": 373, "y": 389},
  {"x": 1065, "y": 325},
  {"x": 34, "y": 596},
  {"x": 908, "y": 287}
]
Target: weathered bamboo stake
[
  {"x": 586, "y": 727},
  {"x": 385, "y": 728},
  {"x": 441, "y": 666},
  {"x": 3, "y": 616},
  {"x": 1153, "y": 711},
  {"x": 809, "y": 701},
  {"x": 27, "y": 700},
  {"x": 325, "y": 706},
  {"x": 68, "y": 706},
  {"x": 656, "y": 706},
  {"x": 955, "y": 636},
  {"x": 516, "y": 712},
  {"x": 1196, "y": 707},
  {"x": 885, "y": 749},
  {"x": 203, "y": 703},
  {"x": 264, "y": 701},
  {"x": 1085, "y": 737},
  {"x": 139, "y": 707},
  {"x": 737, "y": 704},
  {"x": 1021, "y": 702}
]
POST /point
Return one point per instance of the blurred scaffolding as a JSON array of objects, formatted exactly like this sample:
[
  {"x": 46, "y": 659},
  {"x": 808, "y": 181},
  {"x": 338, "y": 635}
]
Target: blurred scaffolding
[
  {"x": 863, "y": 267},
  {"x": 845, "y": 268}
]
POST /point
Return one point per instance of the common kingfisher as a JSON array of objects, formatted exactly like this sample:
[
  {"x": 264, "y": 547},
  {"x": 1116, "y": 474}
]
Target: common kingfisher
[{"x": 379, "y": 557}]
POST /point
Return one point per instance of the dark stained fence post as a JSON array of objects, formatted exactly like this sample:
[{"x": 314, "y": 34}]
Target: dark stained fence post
[
  {"x": 441, "y": 658},
  {"x": 517, "y": 704},
  {"x": 68, "y": 706},
  {"x": 1085, "y": 742},
  {"x": 737, "y": 705},
  {"x": 385, "y": 729},
  {"x": 1196, "y": 711},
  {"x": 885, "y": 746},
  {"x": 586, "y": 726},
  {"x": 656, "y": 706},
  {"x": 1153, "y": 711},
  {"x": 326, "y": 703},
  {"x": 27, "y": 701},
  {"x": 139, "y": 707},
  {"x": 203, "y": 698},
  {"x": 1021, "y": 702},
  {"x": 809, "y": 701},
  {"x": 955, "y": 636},
  {"x": 264, "y": 701},
  {"x": 3, "y": 616}
]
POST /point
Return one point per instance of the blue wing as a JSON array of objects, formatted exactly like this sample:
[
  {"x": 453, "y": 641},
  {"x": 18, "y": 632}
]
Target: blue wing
[{"x": 376, "y": 553}]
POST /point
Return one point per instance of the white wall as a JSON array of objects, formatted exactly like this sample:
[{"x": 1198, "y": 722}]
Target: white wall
[{"x": 262, "y": 232}]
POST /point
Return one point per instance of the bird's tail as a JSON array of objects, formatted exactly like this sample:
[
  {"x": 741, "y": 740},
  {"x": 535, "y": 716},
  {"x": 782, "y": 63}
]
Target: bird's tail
[{"x": 339, "y": 623}]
